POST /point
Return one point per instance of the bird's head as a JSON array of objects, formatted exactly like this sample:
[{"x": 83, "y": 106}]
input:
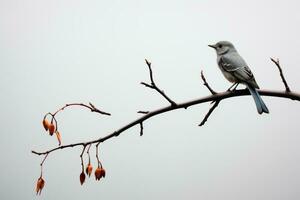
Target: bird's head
[{"x": 222, "y": 47}]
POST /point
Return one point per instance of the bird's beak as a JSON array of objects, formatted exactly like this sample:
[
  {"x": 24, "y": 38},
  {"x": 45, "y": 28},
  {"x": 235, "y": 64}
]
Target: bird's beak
[{"x": 212, "y": 46}]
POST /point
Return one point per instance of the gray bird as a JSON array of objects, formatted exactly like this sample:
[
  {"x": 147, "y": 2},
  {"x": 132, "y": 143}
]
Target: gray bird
[{"x": 236, "y": 70}]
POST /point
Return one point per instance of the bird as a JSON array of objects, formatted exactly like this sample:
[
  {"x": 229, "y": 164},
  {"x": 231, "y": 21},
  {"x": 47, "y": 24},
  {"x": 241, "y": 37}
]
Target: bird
[{"x": 236, "y": 70}]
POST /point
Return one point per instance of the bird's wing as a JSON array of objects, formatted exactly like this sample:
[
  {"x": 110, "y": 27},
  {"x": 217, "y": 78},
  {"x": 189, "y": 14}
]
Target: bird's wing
[{"x": 235, "y": 64}]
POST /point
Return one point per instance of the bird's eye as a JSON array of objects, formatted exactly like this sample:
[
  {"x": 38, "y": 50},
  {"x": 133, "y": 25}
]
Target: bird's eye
[{"x": 220, "y": 46}]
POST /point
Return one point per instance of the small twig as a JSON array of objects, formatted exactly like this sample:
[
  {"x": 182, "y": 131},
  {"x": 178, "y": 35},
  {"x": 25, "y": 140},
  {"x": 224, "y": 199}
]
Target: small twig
[
  {"x": 148, "y": 85},
  {"x": 81, "y": 155},
  {"x": 41, "y": 164},
  {"x": 60, "y": 147},
  {"x": 88, "y": 152},
  {"x": 153, "y": 85},
  {"x": 276, "y": 62},
  {"x": 206, "y": 84},
  {"x": 209, "y": 113},
  {"x": 97, "y": 156},
  {"x": 142, "y": 129},
  {"x": 143, "y": 112},
  {"x": 44, "y": 159},
  {"x": 90, "y": 106}
]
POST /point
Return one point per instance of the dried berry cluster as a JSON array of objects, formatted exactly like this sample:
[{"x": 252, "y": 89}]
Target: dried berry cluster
[
  {"x": 99, "y": 173},
  {"x": 50, "y": 125},
  {"x": 52, "y": 128}
]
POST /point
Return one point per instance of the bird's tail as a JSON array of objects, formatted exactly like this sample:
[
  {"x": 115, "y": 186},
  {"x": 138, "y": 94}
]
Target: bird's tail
[{"x": 260, "y": 105}]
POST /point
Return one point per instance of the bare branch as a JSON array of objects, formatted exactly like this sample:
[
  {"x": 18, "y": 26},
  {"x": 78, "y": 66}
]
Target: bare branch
[
  {"x": 206, "y": 84},
  {"x": 209, "y": 113},
  {"x": 276, "y": 62},
  {"x": 216, "y": 97},
  {"x": 154, "y": 86}
]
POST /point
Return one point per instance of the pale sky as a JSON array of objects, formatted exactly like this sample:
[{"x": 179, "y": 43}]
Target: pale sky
[{"x": 62, "y": 51}]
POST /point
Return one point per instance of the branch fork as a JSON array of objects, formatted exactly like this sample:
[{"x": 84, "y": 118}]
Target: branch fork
[
  {"x": 276, "y": 62},
  {"x": 215, "y": 103},
  {"x": 153, "y": 85}
]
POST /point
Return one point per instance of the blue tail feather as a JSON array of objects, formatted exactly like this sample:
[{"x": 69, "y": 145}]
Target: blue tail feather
[{"x": 260, "y": 105}]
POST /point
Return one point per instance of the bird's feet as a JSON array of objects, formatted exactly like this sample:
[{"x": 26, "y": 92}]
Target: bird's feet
[{"x": 234, "y": 85}]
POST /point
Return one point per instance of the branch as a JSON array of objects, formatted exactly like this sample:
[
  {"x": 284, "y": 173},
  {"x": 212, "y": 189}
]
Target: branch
[
  {"x": 216, "y": 97},
  {"x": 206, "y": 84},
  {"x": 216, "y": 103},
  {"x": 276, "y": 62},
  {"x": 209, "y": 113},
  {"x": 152, "y": 85},
  {"x": 100, "y": 172}
]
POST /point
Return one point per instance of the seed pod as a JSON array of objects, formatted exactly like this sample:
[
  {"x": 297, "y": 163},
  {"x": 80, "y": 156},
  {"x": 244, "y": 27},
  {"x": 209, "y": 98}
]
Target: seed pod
[
  {"x": 46, "y": 124},
  {"x": 99, "y": 173},
  {"x": 82, "y": 178},
  {"x": 89, "y": 169},
  {"x": 40, "y": 185},
  {"x": 51, "y": 129}
]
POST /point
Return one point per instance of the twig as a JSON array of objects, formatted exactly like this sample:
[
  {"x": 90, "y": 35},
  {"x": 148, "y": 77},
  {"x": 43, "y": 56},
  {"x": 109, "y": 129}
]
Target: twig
[
  {"x": 81, "y": 155},
  {"x": 209, "y": 113},
  {"x": 154, "y": 86},
  {"x": 216, "y": 103},
  {"x": 276, "y": 62},
  {"x": 88, "y": 152},
  {"x": 143, "y": 112},
  {"x": 142, "y": 129},
  {"x": 90, "y": 106},
  {"x": 97, "y": 156},
  {"x": 41, "y": 164},
  {"x": 60, "y": 147},
  {"x": 216, "y": 97},
  {"x": 206, "y": 84}
]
